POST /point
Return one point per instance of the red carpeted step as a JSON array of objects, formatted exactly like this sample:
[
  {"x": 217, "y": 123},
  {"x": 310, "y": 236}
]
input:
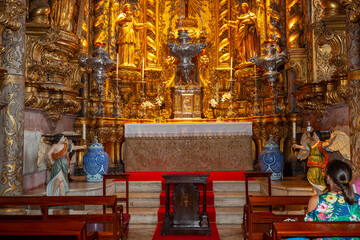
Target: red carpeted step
[
  {"x": 210, "y": 199},
  {"x": 214, "y": 235},
  {"x": 214, "y": 175},
  {"x": 210, "y": 210}
]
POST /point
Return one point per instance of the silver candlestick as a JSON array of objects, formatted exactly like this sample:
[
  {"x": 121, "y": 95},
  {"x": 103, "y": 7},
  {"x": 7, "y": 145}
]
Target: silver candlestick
[
  {"x": 185, "y": 51},
  {"x": 271, "y": 60},
  {"x": 100, "y": 63}
]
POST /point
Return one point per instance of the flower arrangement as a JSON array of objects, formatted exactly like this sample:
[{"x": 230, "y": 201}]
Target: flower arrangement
[
  {"x": 226, "y": 97},
  {"x": 159, "y": 100},
  {"x": 147, "y": 104},
  {"x": 213, "y": 103}
]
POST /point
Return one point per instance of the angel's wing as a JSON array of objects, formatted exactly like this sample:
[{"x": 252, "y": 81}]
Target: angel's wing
[
  {"x": 43, "y": 148},
  {"x": 304, "y": 141},
  {"x": 341, "y": 143}
]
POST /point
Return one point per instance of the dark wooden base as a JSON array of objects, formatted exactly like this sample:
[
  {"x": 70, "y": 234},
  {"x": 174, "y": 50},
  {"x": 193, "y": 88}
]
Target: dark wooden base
[{"x": 185, "y": 230}]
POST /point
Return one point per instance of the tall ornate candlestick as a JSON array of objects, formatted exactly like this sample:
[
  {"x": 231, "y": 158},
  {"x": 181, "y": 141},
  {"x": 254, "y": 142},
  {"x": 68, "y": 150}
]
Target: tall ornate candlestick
[
  {"x": 99, "y": 64},
  {"x": 271, "y": 60},
  {"x": 256, "y": 108},
  {"x": 117, "y": 110},
  {"x": 185, "y": 51}
]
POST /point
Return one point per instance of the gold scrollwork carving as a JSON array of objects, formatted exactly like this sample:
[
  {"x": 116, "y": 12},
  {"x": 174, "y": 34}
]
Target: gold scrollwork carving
[{"x": 52, "y": 82}]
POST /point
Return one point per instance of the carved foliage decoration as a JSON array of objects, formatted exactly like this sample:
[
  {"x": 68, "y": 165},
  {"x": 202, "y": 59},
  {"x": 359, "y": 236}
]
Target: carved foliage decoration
[
  {"x": 52, "y": 81},
  {"x": 12, "y": 180}
]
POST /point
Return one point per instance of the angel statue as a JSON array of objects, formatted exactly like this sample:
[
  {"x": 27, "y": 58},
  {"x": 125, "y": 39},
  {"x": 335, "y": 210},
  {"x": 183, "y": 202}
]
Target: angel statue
[{"x": 314, "y": 148}]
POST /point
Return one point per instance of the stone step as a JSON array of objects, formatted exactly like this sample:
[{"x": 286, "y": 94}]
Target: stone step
[
  {"x": 222, "y": 199},
  {"x": 235, "y": 186},
  {"x": 229, "y": 215},
  {"x": 219, "y": 186},
  {"x": 139, "y": 186},
  {"x": 142, "y": 199},
  {"x": 143, "y": 215},
  {"x": 232, "y": 199}
]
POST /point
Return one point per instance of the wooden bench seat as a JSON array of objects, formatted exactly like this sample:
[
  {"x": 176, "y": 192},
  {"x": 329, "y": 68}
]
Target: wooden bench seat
[
  {"x": 106, "y": 223},
  {"x": 315, "y": 229},
  {"x": 45, "y": 229},
  {"x": 260, "y": 222}
]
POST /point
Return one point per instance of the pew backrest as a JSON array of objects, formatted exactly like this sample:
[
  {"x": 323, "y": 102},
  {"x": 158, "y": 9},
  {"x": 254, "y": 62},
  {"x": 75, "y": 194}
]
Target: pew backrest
[
  {"x": 316, "y": 229},
  {"x": 46, "y": 203}
]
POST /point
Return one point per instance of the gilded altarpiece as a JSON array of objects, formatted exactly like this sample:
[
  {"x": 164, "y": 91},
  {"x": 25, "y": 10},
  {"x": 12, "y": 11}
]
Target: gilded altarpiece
[{"x": 217, "y": 22}]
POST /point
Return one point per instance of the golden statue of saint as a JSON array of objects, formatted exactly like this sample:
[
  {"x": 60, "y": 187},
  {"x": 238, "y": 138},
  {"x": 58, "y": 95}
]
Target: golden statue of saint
[
  {"x": 127, "y": 39},
  {"x": 247, "y": 37},
  {"x": 61, "y": 13}
]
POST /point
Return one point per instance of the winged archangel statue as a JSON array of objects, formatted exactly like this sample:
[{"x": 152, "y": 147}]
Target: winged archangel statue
[{"x": 314, "y": 148}]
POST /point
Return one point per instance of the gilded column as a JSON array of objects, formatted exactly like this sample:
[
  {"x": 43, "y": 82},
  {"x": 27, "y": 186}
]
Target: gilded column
[
  {"x": 353, "y": 64},
  {"x": 12, "y": 42}
]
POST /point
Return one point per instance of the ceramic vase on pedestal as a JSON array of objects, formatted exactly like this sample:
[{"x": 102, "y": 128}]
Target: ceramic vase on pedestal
[
  {"x": 271, "y": 159},
  {"x": 96, "y": 162}
]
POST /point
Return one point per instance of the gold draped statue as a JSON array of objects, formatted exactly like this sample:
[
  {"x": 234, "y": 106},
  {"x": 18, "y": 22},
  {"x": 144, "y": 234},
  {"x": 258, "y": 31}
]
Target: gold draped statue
[
  {"x": 61, "y": 13},
  {"x": 247, "y": 36},
  {"x": 127, "y": 39}
]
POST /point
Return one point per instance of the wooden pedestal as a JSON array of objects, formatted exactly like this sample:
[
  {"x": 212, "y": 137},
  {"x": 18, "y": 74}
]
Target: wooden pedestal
[{"x": 186, "y": 218}]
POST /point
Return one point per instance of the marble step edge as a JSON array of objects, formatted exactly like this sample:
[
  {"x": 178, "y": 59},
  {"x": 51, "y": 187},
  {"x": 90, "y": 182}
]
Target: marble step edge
[
  {"x": 218, "y": 186},
  {"x": 152, "y": 199},
  {"x": 223, "y": 216}
]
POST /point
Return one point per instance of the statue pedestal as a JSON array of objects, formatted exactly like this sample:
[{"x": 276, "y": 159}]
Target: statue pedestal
[{"x": 187, "y": 101}]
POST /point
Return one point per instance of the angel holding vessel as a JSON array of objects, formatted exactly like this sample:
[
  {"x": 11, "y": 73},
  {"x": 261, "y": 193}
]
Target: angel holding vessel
[{"x": 314, "y": 148}]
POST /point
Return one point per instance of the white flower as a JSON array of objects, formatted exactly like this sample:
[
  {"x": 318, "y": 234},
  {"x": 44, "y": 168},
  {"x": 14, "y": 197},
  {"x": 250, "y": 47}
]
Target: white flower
[
  {"x": 147, "y": 104},
  {"x": 226, "y": 97},
  {"x": 213, "y": 103},
  {"x": 159, "y": 100}
]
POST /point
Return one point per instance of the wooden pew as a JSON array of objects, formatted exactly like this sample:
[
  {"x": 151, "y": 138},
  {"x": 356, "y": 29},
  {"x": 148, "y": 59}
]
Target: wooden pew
[
  {"x": 315, "y": 229},
  {"x": 106, "y": 223},
  {"x": 124, "y": 216},
  {"x": 245, "y": 223},
  {"x": 260, "y": 222},
  {"x": 44, "y": 229}
]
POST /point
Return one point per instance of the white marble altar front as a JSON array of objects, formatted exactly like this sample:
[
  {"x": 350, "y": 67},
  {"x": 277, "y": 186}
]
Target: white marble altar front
[{"x": 188, "y": 147}]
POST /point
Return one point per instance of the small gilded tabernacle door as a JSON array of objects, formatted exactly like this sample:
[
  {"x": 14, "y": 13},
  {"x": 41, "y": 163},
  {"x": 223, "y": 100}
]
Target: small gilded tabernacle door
[
  {"x": 187, "y": 101},
  {"x": 186, "y": 217}
]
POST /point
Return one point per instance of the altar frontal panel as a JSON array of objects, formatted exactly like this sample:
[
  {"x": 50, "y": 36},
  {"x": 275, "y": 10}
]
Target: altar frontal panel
[{"x": 188, "y": 147}]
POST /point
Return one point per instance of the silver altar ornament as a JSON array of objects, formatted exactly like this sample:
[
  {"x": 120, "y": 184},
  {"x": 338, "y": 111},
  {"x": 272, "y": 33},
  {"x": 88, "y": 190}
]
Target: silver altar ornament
[
  {"x": 100, "y": 63},
  {"x": 271, "y": 60},
  {"x": 185, "y": 51}
]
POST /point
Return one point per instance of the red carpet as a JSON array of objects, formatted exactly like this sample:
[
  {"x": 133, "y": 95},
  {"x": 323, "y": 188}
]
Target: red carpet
[
  {"x": 214, "y": 175},
  {"x": 214, "y": 235}
]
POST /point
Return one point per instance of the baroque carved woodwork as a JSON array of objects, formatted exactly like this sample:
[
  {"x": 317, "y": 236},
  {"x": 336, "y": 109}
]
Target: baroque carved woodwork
[
  {"x": 327, "y": 82},
  {"x": 53, "y": 78}
]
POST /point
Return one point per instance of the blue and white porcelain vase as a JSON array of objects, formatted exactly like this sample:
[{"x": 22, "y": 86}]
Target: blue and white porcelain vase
[
  {"x": 271, "y": 159},
  {"x": 96, "y": 162}
]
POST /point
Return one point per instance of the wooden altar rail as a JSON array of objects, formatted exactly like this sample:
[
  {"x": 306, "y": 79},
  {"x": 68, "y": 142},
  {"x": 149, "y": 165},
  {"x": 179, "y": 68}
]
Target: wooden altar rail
[
  {"x": 260, "y": 222},
  {"x": 107, "y": 223},
  {"x": 314, "y": 229}
]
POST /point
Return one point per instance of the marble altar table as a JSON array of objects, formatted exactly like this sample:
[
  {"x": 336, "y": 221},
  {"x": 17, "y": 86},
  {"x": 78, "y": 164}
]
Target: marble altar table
[{"x": 188, "y": 147}]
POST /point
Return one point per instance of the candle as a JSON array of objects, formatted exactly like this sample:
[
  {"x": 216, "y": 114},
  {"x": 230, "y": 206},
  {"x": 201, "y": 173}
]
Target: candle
[
  {"x": 84, "y": 131},
  {"x": 231, "y": 67},
  {"x": 217, "y": 91},
  {"x": 294, "y": 130},
  {"x": 143, "y": 69},
  {"x": 117, "y": 65}
]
